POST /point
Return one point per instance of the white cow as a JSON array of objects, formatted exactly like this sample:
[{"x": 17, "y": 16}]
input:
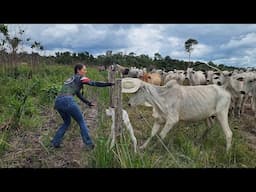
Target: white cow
[
  {"x": 178, "y": 75},
  {"x": 239, "y": 85},
  {"x": 195, "y": 77},
  {"x": 118, "y": 68},
  {"x": 111, "y": 112},
  {"x": 173, "y": 102}
]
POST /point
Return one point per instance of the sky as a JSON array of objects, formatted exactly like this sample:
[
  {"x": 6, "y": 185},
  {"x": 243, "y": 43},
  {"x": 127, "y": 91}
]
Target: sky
[{"x": 228, "y": 44}]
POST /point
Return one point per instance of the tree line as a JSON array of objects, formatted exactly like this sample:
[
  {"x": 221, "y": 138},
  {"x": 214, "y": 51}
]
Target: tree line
[{"x": 11, "y": 55}]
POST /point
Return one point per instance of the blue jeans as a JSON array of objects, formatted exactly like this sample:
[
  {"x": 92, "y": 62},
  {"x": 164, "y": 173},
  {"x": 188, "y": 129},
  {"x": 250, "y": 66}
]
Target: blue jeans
[{"x": 67, "y": 108}]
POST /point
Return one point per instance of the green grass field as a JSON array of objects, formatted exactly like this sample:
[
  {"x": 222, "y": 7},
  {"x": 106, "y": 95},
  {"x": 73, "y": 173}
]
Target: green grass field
[{"x": 26, "y": 105}]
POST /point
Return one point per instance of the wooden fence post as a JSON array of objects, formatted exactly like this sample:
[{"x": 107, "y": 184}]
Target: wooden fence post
[
  {"x": 111, "y": 78},
  {"x": 118, "y": 107}
]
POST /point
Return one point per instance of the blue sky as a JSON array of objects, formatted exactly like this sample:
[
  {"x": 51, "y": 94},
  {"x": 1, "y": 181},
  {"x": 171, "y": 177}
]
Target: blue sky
[{"x": 229, "y": 44}]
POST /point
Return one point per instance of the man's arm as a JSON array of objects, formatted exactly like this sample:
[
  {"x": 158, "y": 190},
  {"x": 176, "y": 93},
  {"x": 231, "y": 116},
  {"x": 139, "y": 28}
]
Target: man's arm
[
  {"x": 82, "y": 98},
  {"x": 86, "y": 80},
  {"x": 99, "y": 84}
]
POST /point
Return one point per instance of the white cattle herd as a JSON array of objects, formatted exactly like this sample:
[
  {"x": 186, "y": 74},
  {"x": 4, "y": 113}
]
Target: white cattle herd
[{"x": 190, "y": 95}]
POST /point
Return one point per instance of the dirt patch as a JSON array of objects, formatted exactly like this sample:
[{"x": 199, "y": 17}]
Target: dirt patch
[
  {"x": 251, "y": 139},
  {"x": 246, "y": 126},
  {"x": 31, "y": 149}
]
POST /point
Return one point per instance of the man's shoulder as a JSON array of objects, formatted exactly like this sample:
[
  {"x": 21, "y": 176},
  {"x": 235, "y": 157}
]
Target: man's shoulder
[
  {"x": 69, "y": 80},
  {"x": 85, "y": 80}
]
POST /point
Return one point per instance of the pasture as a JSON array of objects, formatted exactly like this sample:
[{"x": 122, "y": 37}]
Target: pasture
[{"x": 28, "y": 122}]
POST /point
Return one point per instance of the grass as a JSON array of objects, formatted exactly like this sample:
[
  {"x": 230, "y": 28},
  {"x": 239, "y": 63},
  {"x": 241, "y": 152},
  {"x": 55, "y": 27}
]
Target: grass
[{"x": 182, "y": 147}]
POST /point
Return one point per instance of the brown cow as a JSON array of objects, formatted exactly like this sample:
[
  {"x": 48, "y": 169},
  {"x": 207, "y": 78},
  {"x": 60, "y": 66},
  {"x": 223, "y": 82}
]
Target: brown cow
[{"x": 153, "y": 78}]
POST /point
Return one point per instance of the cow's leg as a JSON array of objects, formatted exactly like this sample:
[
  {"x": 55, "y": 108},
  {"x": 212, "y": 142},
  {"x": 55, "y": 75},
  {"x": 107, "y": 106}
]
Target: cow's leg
[
  {"x": 167, "y": 127},
  {"x": 240, "y": 104},
  {"x": 205, "y": 133},
  {"x": 134, "y": 140},
  {"x": 245, "y": 98},
  {"x": 223, "y": 119},
  {"x": 254, "y": 105},
  {"x": 155, "y": 129},
  {"x": 209, "y": 122},
  {"x": 112, "y": 135},
  {"x": 232, "y": 107},
  {"x": 130, "y": 129}
]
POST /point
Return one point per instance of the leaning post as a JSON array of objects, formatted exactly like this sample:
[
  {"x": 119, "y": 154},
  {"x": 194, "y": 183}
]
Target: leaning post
[
  {"x": 118, "y": 106},
  {"x": 111, "y": 78}
]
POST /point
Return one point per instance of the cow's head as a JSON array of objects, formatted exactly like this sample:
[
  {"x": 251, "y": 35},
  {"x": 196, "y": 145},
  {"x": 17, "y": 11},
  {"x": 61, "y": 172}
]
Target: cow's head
[
  {"x": 137, "y": 88},
  {"x": 249, "y": 84},
  {"x": 110, "y": 111},
  {"x": 139, "y": 97},
  {"x": 238, "y": 82},
  {"x": 218, "y": 78}
]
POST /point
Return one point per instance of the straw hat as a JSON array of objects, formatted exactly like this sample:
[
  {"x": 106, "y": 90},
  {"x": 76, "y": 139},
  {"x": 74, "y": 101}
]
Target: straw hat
[{"x": 130, "y": 85}]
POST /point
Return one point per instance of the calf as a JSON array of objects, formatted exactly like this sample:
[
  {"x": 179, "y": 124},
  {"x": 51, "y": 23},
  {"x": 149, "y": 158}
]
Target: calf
[{"x": 111, "y": 112}]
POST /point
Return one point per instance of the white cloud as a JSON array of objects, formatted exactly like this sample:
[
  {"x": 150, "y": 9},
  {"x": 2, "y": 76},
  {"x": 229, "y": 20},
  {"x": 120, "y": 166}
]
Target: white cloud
[
  {"x": 244, "y": 61},
  {"x": 251, "y": 52},
  {"x": 232, "y": 44},
  {"x": 201, "y": 50},
  {"x": 175, "y": 42},
  {"x": 198, "y": 52},
  {"x": 28, "y": 49},
  {"x": 241, "y": 41},
  {"x": 60, "y": 30},
  {"x": 145, "y": 39},
  {"x": 178, "y": 54}
]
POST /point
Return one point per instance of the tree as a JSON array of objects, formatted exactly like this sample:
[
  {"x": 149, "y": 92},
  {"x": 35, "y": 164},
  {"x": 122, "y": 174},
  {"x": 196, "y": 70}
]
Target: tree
[
  {"x": 11, "y": 42},
  {"x": 157, "y": 56},
  {"x": 108, "y": 53},
  {"x": 3, "y": 34},
  {"x": 189, "y": 46},
  {"x": 36, "y": 46},
  {"x": 131, "y": 54}
]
